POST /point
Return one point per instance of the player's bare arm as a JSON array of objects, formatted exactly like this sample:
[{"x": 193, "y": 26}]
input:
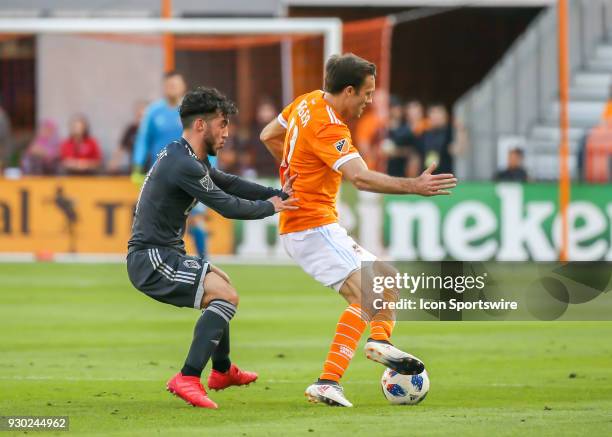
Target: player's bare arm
[
  {"x": 427, "y": 184},
  {"x": 273, "y": 137}
]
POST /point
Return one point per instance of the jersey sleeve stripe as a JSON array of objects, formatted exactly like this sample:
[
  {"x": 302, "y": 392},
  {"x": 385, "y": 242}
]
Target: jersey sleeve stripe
[
  {"x": 332, "y": 117},
  {"x": 282, "y": 121},
  {"x": 345, "y": 159}
]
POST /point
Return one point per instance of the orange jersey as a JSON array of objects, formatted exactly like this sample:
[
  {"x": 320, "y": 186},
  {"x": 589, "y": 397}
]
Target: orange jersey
[{"x": 317, "y": 143}]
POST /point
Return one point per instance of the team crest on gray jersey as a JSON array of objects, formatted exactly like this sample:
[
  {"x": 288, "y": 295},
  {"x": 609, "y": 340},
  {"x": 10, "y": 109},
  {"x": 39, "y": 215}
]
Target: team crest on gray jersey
[
  {"x": 207, "y": 182},
  {"x": 192, "y": 264}
]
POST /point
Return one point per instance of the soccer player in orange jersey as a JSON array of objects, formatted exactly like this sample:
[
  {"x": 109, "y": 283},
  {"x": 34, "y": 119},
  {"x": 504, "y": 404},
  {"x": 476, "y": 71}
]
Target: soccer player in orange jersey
[{"x": 311, "y": 140}]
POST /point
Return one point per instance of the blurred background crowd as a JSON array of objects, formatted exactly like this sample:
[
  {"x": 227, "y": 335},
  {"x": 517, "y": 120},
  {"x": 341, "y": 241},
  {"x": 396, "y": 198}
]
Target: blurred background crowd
[
  {"x": 411, "y": 137},
  {"x": 414, "y": 135},
  {"x": 472, "y": 103},
  {"x": 401, "y": 140}
]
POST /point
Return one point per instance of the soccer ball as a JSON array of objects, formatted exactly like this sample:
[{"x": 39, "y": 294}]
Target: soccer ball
[{"x": 404, "y": 389}]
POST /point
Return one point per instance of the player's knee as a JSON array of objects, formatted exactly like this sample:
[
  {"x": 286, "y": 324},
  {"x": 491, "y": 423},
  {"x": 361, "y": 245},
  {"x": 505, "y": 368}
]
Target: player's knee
[
  {"x": 381, "y": 268},
  {"x": 232, "y": 296},
  {"x": 351, "y": 290},
  {"x": 226, "y": 292}
]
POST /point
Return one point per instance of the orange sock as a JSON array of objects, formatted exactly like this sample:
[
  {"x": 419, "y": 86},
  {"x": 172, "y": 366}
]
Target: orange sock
[
  {"x": 381, "y": 329},
  {"x": 348, "y": 332},
  {"x": 383, "y": 322}
]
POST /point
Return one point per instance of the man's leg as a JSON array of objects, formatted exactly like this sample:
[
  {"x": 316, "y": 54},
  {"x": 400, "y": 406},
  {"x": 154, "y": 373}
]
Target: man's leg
[
  {"x": 220, "y": 358},
  {"x": 220, "y": 300},
  {"x": 349, "y": 329},
  {"x": 382, "y": 321},
  {"x": 225, "y": 374},
  {"x": 378, "y": 347},
  {"x": 354, "y": 319}
]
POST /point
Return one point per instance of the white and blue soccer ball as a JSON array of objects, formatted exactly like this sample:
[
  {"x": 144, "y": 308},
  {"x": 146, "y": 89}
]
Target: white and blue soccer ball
[{"x": 404, "y": 389}]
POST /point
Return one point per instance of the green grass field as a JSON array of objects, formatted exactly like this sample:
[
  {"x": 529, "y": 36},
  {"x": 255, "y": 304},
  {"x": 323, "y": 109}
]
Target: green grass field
[{"x": 78, "y": 340}]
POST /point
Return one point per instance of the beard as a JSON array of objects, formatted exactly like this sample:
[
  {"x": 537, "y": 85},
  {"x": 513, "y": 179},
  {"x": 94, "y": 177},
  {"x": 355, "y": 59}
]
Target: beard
[{"x": 209, "y": 146}]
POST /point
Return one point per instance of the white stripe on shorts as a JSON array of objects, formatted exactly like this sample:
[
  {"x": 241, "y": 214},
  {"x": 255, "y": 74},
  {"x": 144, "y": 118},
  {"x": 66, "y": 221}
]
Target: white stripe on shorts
[{"x": 200, "y": 291}]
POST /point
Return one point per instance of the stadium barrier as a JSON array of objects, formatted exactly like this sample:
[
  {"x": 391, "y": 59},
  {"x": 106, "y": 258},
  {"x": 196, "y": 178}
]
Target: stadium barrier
[
  {"x": 480, "y": 221},
  {"x": 77, "y": 215}
]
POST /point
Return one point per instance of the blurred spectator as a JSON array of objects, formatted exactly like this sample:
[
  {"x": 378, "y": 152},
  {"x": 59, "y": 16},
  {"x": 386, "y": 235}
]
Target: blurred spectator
[
  {"x": 121, "y": 160},
  {"x": 370, "y": 129},
  {"x": 260, "y": 159},
  {"x": 417, "y": 124},
  {"x": 80, "y": 153},
  {"x": 42, "y": 155},
  {"x": 160, "y": 125},
  {"x": 595, "y": 154},
  {"x": 399, "y": 139},
  {"x": 442, "y": 141},
  {"x": 415, "y": 116},
  {"x": 244, "y": 158},
  {"x": 515, "y": 172},
  {"x": 227, "y": 158},
  {"x": 6, "y": 141},
  {"x": 604, "y": 125}
]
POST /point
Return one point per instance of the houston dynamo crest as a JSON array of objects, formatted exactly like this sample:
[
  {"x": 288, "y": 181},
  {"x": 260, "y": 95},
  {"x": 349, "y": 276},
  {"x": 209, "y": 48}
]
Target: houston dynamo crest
[{"x": 342, "y": 146}]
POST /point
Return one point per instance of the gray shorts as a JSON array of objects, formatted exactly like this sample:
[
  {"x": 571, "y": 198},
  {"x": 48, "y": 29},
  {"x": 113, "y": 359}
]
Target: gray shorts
[{"x": 168, "y": 276}]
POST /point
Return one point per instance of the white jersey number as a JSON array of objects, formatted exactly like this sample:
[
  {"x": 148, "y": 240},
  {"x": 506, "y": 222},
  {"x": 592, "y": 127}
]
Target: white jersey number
[{"x": 293, "y": 132}]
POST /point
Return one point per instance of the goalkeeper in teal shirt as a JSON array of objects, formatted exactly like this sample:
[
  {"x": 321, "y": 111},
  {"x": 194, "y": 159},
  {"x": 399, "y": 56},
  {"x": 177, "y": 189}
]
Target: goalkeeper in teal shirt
[{"x": 161, "y": 125}]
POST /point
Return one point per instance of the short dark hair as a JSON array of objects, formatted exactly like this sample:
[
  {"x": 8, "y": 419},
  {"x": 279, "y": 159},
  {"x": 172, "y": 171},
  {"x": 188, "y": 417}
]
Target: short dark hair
[
  {"x": 207, "y": 102},
  {"x": 347, "y": 70},
  {"x": 518, "y": 150}
]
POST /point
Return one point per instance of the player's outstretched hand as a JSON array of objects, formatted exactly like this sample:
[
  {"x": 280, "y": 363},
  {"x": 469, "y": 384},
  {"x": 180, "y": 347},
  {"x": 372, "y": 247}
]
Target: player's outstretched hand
[
  {"x": 288, "y": 186},
  {"x": 429, "y": 184},
  {"x": 283, "y": 205}
]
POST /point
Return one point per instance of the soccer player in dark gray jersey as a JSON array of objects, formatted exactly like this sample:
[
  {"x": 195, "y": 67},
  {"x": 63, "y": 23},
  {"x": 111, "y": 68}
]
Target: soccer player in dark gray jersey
[
  {"x": 176, "y": 182},
  {"x": 157, "y": 263}
]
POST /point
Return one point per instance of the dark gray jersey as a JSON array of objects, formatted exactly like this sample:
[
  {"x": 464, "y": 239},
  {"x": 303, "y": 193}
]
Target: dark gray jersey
[{"x": 173, "y": 186}]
